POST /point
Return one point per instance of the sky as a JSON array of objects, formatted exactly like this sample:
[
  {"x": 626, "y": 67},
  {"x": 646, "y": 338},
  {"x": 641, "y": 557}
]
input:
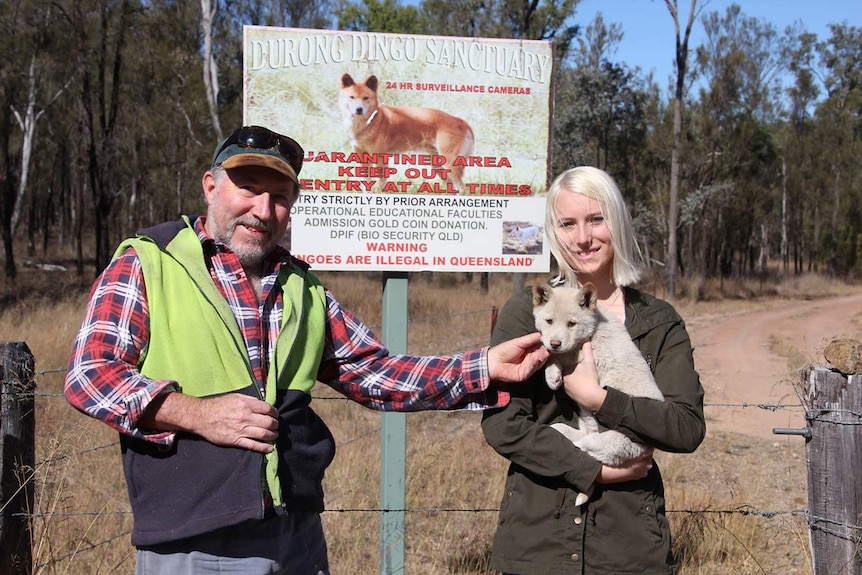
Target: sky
[{"x": 649, "y": 38}]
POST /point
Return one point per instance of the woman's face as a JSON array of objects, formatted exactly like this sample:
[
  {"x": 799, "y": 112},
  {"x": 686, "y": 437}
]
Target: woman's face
[{"x": 584, "y": 237}]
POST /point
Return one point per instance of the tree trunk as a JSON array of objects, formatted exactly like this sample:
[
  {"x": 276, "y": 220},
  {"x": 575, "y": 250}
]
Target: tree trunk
[
  {"x": 100, "y": 116},
  {"x": 784, "y": 247},
  {"x": 7, "y": 189},
  {"x": 208, "y": 13},
  {"x": 27, "y": 123},
  {"x": 679, "y": 94},
  {"x": 10, "y": 269},
  {"x": 836, "y": 207}
]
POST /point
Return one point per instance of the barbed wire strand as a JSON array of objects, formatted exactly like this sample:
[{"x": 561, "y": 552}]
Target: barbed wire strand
[
  {"x": 764, "y": 406},
  {"x": 81, "y": 550},
  {"x": 744, "y": 511},
  {"x": 814, "y": 522},
  {"x": 75, "y": 454}
]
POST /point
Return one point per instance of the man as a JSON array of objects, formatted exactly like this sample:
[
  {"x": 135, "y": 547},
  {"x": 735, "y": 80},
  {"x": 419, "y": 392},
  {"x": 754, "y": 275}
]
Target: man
[{"x": 201, "y": 343}]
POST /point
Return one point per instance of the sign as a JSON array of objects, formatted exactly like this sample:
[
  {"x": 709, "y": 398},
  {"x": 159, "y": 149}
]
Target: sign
[{"x": 422, "y": 152}]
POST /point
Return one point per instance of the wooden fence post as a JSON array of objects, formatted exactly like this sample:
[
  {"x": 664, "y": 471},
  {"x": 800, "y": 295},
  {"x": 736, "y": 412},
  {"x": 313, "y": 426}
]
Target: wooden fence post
[
  {"x": 17, "y": 457},
  {"x": 834, "y": 453}
]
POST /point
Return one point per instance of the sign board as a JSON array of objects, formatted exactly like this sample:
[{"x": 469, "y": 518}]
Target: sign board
[{"x": 422, "y": 152}]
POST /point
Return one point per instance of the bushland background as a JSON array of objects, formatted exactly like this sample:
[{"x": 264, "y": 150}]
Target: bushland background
[
  {"x": 110, "y": 109},
  {"x": 745, "y": 192},
  {"x": 737, "y": 505}
]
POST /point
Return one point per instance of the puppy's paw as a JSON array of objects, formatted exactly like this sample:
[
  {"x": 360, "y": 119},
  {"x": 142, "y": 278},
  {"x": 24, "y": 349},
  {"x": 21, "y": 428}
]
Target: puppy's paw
[{"x": 553, "y": 377}]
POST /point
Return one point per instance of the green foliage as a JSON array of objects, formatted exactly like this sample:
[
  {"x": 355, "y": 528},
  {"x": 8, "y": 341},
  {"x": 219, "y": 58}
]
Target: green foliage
[
  {"x": 771, "y": 142},
  {"x": 600, "y": 119},
  {"x": 380, "y": 16}
]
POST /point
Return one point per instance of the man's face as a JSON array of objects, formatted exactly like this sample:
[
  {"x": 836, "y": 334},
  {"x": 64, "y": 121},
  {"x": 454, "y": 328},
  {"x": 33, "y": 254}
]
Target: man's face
[{"x": 248, "y": 210}]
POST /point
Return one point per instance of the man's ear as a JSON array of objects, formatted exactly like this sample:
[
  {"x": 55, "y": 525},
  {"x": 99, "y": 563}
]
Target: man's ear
[{"x": 208, "y": 184}]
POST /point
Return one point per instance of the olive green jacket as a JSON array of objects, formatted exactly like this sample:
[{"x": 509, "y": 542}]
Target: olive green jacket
[{"x": 623, "y": 528}]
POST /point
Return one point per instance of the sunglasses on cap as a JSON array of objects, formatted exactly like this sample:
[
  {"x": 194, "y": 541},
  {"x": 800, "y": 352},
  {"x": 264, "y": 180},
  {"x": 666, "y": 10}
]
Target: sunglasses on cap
[{"x": 257, "y": 137}]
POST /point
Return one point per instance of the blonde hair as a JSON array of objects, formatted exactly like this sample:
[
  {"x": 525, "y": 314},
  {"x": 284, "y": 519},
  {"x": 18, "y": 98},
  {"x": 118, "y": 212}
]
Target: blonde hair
[{"x": 598, "y": 185}]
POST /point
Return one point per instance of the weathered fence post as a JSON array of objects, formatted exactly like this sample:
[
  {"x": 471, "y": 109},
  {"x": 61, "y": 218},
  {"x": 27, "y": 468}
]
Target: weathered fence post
[
  {"x": 17, "y": 456},
  {"x": 834, "y": 453}
]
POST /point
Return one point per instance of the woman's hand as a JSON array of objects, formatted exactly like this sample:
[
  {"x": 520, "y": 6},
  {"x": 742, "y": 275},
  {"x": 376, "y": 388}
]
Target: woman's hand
[
  {"x": 631, "y": 470},
  {"x": 582, "y": 384}
]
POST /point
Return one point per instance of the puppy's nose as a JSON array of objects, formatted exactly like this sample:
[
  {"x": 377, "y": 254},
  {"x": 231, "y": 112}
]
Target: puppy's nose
[
  {"x": 358, "y": 111},
  {"x": 555, "y": 343}
]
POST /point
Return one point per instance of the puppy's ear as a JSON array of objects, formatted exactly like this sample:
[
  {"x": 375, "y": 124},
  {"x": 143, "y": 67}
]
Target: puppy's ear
[
  {"x": 347, "y": 81},
  {"x": 541, "y": 293},
  {"x": 371, "y": 82},
  {"x": 587, "y": 297}
]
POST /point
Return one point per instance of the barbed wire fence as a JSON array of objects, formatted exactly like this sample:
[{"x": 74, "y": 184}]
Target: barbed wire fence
[{"x": 19, "y": 388}]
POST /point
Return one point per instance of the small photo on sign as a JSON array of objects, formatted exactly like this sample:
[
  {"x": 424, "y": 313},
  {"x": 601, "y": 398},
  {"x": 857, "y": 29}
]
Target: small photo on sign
[{"x": 522, "y": 238}]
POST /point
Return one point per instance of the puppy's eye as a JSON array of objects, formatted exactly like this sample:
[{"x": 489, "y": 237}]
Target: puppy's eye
[
  {"x": 573, "y": 323},
  {"x": 549, "y": 321}
]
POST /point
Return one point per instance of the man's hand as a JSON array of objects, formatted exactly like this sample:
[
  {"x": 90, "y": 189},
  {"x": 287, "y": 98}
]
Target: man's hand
[
  {"x": 231, "y": 420},
  {"x": 517, "y": 359}
]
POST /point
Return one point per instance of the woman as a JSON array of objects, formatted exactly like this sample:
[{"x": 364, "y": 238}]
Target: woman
[{"x": 623, "y": 527}]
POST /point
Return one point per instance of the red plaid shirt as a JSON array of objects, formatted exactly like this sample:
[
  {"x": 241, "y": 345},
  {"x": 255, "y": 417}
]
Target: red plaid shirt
[{"x": 103, "y": 378}]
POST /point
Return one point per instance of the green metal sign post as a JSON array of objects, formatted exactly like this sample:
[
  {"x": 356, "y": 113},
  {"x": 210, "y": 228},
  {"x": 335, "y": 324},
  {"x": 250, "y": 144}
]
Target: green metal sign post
[{"x": 393, "y": 435}]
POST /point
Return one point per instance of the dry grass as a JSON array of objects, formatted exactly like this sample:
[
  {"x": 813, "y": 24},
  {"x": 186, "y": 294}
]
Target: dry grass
[{"x": 454, "y": 479}]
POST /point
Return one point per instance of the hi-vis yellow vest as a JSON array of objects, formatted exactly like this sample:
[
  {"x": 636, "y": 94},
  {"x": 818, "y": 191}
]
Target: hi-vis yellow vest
[{"x": 195, "y": 339}]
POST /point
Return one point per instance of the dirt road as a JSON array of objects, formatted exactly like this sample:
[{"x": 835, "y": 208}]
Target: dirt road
[{"x": 753, "y": 358}]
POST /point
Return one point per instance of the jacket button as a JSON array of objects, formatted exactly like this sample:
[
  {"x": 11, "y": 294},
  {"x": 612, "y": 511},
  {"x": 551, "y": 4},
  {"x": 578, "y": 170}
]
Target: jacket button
[
  {"x": 575, "y": 557},
  {"x": 578, "y": 520}
]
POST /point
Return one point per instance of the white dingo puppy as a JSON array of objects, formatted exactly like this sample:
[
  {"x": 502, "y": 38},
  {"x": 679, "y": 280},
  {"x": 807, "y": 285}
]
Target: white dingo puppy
[
  {"x": 527, "y": 236},
  {"x": 567, "y": 317}
]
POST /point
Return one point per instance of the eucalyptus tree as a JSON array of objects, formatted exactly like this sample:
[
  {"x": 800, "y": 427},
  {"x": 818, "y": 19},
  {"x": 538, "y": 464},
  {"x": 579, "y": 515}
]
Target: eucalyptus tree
[
  {"x": 839, "y": 125},
  {"x": 28, "y": 112},
  {"x": 528, "y": 20},
  {"x": 32, "y": 81},
  {"x": 599, "y": 105},
  {"x": 170, "y": 135},
  {"x": 597, "y": 44},
  {"x": 799, "y": 164},
  {"x": 681, "y": 66},
  {"x": 209, "y": 10},
  {"x": 738, "y": 67},
  {"x": 821, "y": 146},
  {"x": 600, "y": 119},
  {"x": 8, "y": 90},
  {"x": 101, "y": 35},
  {"x": 541, "y": 20},
  {"x": 227, "y": 34},
  {"x": 139, "y": 111},
  {"x": 380, "y": 16}
]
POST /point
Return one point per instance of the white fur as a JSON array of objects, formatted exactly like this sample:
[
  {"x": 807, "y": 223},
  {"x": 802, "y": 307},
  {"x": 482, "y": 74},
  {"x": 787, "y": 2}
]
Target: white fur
[
  {"x": 524, "y": 235},
  {"x": 568, "y": 317}
]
